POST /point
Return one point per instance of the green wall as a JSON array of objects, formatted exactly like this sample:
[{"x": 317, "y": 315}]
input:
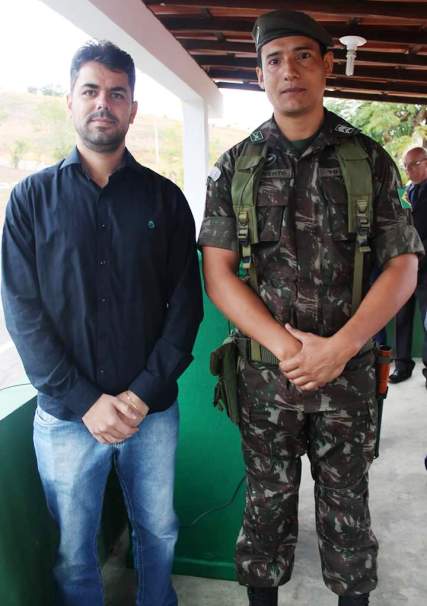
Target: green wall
[
  {"x": 27, "y": 534},
  {"x": 209, "y": 465}
]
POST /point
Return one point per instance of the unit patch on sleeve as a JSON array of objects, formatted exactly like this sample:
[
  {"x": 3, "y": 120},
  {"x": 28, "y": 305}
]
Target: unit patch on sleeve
[
  {"x": 215, "y": 173},
  {"x": 403, "y": 197}
]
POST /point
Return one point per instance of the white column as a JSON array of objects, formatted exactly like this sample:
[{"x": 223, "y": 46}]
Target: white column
[{"x": 196, "y": 155}]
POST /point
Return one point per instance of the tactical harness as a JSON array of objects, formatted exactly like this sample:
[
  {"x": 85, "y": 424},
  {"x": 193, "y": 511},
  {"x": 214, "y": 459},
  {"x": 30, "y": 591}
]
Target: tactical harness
[{"x": 357, "y": 175}]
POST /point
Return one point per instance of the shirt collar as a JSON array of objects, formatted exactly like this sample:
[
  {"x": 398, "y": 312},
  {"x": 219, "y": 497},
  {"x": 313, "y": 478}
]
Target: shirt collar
[
  {"x": 333, "y": 130},
  {"x": 128, "y": 161}
]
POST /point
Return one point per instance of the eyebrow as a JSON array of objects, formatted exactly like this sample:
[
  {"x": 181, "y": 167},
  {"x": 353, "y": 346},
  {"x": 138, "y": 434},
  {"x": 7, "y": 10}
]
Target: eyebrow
[
  {"x": 115, "y": 89},
  {"x": 280, "y": 52}
]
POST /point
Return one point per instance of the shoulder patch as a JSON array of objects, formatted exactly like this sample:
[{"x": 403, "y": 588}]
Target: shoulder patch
[
  {"x": 257, "y": 136},
  {"x": 214, "y": 173},
  {"x": 403, "y": 197},
  {"x": 345, "y": 130}
]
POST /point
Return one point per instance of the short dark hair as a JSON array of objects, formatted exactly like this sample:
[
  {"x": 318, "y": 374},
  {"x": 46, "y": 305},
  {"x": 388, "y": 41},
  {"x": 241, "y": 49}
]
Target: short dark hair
[
  {"x": 323, "y": 51},
  {"x": 108, "y": 54}
]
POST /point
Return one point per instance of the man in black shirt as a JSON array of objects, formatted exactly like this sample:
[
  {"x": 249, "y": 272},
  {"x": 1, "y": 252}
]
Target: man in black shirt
[
  {"x": 415, "y": 162},
  {"x": 102, "y": 298}
]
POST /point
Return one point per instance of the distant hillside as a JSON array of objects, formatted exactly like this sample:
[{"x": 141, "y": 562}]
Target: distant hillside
[{"x": 36, "y": 129}]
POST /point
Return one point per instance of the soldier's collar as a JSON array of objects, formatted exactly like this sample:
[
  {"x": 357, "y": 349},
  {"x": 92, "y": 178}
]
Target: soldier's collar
[{"x": 263, "y": 133}]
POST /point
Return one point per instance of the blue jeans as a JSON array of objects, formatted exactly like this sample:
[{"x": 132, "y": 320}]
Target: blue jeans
[{"x": 74, "y": 468}]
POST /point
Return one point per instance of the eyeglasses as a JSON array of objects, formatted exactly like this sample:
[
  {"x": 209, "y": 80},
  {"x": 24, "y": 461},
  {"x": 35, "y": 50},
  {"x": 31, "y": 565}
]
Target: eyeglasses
[{"x": 413, "y": 164}]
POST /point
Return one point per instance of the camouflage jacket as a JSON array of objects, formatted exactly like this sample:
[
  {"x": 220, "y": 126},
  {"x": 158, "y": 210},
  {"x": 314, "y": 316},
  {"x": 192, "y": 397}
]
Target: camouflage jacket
[{"x": 304, "y": 260}]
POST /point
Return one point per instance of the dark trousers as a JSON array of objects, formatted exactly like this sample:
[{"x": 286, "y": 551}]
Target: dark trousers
[{"x": 404, "y": 326}]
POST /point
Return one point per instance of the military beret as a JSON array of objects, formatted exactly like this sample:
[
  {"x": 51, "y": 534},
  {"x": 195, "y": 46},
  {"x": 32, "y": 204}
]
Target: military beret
[{"x": 278, "y": 24}]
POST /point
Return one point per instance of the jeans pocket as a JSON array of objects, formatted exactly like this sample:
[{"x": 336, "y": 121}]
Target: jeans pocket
[{"x": 44, "y": 418}]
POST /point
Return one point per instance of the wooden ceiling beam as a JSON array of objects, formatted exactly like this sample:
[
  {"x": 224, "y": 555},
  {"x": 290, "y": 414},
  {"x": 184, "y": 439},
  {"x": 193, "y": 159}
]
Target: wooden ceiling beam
[
  {"x": 387, "y": 98},
  {"x": 380, "y": 73},
  {"x": 338, "y": 82},
  {"x": 358, "y": 95},
  {"x": 196, "y": 47},
  {"x": 388, "y": 87},
  {"x": 396, "y": 35},
  {"x": 414, "y": 11}
]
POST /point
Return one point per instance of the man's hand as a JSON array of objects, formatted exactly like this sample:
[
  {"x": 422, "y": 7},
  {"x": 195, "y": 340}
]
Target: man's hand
[
  {"x": 135, "y": 409},
  {"x": 110, "y": 420},
  {"x": 320, "y": 360}
]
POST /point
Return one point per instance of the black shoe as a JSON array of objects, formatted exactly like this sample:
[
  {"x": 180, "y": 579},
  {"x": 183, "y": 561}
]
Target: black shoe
[
  {"x": 400, "y": 374},
  {"x": 262, "y": 596},
  {"x": 354, "y": 600}
]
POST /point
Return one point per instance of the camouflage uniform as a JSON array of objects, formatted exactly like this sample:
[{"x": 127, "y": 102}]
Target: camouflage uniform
[{"x": 304, "y": 266}]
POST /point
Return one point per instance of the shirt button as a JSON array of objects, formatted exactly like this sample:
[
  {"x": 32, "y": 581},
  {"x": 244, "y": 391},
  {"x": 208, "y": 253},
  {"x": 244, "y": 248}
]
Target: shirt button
[
  {"x": 102, "y": 226},
  {"x": 101, "y": 371},
  {"x": 103, "y": 262},
  {"x": 103, "y": 299}
]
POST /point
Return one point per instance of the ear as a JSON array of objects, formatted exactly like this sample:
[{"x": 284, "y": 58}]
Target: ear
[
  {"x": 260, "y": 77},
  {"x": 69, "y": 102},
  {"x": 133, "y": 111},
  {"x": 328, "y": 62}
]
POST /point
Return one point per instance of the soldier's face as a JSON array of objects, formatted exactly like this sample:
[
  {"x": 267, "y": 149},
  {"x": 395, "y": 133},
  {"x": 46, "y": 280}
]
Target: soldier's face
[
  {"x": 293, "y": 74},
  {"x": 101, "y": 106}
]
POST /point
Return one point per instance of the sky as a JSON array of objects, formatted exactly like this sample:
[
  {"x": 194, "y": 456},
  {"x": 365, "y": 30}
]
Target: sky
[{"x": 36, "y": 47}]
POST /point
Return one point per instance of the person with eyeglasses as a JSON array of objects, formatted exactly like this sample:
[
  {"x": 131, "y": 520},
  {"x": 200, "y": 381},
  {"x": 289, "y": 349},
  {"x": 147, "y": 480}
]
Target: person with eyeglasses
[{"x": 415, "y": 163}]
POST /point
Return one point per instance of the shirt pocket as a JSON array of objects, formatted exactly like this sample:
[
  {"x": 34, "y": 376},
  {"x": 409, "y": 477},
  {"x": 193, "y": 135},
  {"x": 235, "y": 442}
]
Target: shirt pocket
[
  {"x": 334, "y": 194},
  {"x": 272, "y": 204},
  {"x": 339, "y": 243}
]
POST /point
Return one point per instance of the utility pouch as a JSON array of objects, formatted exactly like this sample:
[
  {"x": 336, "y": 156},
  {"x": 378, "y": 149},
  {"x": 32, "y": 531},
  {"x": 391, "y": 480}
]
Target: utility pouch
[{"x": 223, "y": 364}]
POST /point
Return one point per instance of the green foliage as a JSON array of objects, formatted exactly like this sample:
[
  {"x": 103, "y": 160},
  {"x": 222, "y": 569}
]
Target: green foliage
[
  {"x": 56, "y": 132},
  {"x": 18, "y": 150},
  {"x": 345, "y": 109},
  {"x": 394, "y": 125},
  {"x": 386, "y": 121}
]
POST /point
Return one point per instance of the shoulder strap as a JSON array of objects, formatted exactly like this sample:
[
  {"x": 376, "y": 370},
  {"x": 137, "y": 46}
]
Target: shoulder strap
[
  {"x": 244, "y": 189},
  {"x": 357, "y": 175}
]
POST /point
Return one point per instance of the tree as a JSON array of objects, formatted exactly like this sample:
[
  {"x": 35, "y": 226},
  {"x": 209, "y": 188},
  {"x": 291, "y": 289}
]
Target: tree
[
  {"x": 17, "y": 151},
  {"x": 53, "y": 122},
  {"x": 395, "y": 126}
]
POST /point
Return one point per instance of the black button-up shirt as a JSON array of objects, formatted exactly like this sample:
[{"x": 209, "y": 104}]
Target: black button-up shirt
[
  {"x": 101, "y": 287},
  {"x": 418, "y": 196}
]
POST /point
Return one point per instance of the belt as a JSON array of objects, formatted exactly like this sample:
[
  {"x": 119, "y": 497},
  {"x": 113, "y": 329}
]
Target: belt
[{"x": 244, "y": 345}]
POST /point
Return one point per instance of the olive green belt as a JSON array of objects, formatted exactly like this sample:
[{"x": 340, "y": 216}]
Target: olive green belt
[{"x": 244, "y": 348}]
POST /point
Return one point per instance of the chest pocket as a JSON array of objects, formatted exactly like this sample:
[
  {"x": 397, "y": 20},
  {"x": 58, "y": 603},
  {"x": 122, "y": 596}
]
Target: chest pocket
[
  {"x": 272, "y": 202},
  {"x": 334, "y": 196}
]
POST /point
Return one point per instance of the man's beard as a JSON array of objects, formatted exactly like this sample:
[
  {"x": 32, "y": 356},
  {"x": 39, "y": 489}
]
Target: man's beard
[{"x": 98, "y": 140}]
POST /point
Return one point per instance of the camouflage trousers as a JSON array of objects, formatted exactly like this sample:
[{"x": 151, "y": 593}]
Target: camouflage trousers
[{"x": 340, "y": 446}]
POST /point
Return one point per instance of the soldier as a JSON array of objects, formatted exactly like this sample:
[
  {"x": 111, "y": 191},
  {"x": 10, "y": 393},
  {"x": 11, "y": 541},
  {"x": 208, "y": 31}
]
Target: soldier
[{"x": 306, "y": 368}]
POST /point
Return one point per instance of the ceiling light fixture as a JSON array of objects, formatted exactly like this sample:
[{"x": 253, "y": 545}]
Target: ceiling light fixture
[{"x": 352, "y": 43}]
